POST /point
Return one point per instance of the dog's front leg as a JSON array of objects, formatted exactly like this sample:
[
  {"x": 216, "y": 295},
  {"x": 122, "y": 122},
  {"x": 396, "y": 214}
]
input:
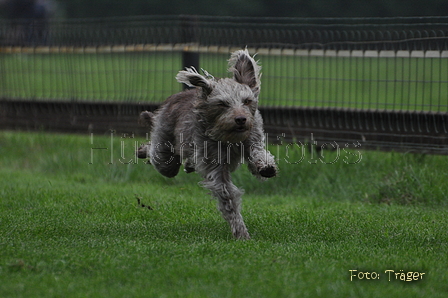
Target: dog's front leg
[
  {"x": 261, "y": 162},
  {"x": 229, "y": 199}
]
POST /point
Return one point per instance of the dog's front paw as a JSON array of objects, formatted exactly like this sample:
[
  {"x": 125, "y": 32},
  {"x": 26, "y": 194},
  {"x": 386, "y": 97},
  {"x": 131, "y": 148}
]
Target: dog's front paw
[
  {"x": 242, "y": 236},
  {"x": 268, "y": 171}
]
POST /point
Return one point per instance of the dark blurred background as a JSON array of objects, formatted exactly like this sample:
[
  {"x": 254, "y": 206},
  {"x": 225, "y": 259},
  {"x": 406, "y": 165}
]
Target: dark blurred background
[{"x": 253, "y": 8}]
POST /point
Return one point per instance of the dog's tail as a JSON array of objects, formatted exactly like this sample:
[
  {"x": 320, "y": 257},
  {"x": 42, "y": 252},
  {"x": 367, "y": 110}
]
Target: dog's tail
[{"x": 146, "y": 119}]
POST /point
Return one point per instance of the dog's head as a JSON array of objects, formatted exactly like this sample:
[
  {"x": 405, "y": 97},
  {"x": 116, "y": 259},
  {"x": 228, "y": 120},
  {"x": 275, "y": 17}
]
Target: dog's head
[{"x": 227, "y": 107}]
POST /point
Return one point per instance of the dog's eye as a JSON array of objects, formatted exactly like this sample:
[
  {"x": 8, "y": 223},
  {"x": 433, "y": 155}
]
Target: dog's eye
[
  {"x": 247, "y": 101},
  {"x": 222, "y": 104}
]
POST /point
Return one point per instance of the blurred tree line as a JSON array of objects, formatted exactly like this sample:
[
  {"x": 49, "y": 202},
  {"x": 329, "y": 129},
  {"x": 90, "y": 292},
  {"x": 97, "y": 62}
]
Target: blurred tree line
[
  {"x": 253, "y": 8},
  {"x": 258, "y": 8}
]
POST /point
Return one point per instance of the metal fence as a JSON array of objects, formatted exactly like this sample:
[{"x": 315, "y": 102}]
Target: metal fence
[{"x": 378, "y": 82}]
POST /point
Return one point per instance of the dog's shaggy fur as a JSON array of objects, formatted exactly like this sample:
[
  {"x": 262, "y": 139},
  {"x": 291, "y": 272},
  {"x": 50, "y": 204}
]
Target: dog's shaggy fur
[{"x": 213, "y": 129}]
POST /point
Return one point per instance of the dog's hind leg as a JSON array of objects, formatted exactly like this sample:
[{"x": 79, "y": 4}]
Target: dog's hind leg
[
  {"x": 143, "y": 150},
  {"x": 163, "y": 155},
  {"x": 229, "y": 199},
  {"x": 164, "y": 159}
]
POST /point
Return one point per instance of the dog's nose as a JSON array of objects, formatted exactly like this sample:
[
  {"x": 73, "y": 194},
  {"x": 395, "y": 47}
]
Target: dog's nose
[{"x": 240, "y": 120}]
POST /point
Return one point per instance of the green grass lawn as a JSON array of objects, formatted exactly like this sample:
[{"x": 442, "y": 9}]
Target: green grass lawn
[
  {"x": 70, "y": 225},
  {"x": 111, "y": 77},
  {"x": 415, "y": 84}
]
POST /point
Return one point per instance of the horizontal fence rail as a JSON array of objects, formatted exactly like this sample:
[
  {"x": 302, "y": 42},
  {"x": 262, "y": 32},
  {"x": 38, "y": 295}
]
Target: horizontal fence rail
[
  {"x": 379, "y": 82},
  {"x": 333, "y": 129},
  {"x": 424, "y": 33}
]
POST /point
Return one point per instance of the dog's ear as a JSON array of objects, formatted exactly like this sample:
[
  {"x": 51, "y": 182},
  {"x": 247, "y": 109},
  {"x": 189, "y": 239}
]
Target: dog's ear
[
  {"x": 245, "y": 70},
  {"x": 192, "y": 78}
]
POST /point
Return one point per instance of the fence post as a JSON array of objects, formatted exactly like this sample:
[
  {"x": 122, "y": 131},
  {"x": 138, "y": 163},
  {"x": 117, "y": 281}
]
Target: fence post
[{"x": 190, "y": 25}]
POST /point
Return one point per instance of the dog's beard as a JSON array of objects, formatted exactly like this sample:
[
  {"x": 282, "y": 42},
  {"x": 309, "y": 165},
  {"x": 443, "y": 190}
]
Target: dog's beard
[{"x": 231, "y": 133}]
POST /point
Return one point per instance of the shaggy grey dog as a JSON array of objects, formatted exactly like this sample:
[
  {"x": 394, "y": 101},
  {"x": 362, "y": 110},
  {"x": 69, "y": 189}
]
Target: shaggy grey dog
[{"x": 213, "y": 129}]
